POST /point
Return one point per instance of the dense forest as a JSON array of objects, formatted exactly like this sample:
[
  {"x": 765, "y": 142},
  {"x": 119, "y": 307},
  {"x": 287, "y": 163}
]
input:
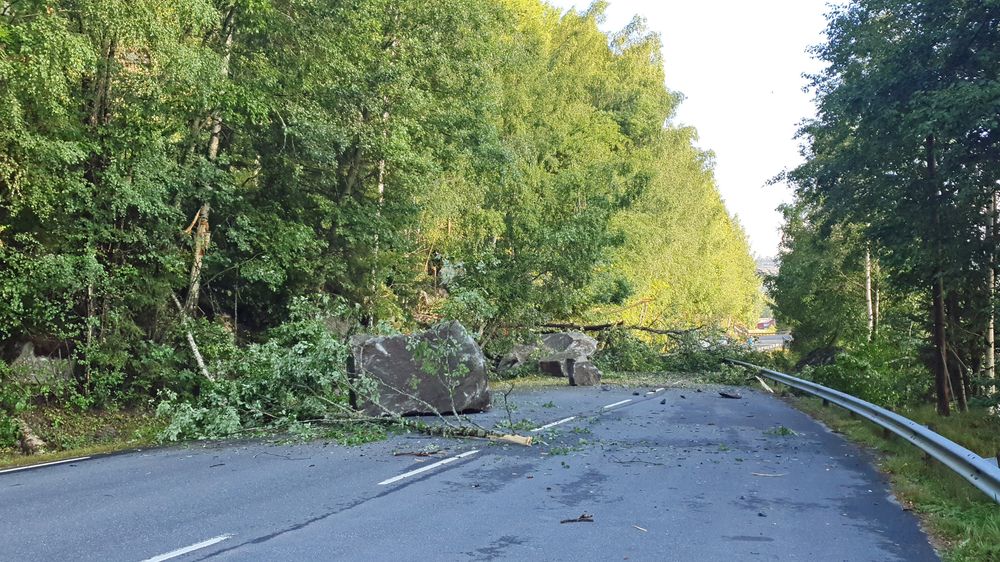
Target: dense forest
[
  {"x": 197, "y": 196},
  {"x": 889, "y": 253}
]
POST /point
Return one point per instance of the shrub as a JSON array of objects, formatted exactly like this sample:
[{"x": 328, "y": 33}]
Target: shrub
[
  {"x": 14, "y": 400},
  {"x": 623, "y": 351},
  {"x": 886, "y": 372},
  {"x": 299, "y": 374}
]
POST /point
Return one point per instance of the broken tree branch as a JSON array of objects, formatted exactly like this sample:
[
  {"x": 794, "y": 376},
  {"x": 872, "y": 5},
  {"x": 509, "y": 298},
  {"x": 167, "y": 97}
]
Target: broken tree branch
[
  {"x": 619, "y": 325},
  {"x": 190, "y": 339}
]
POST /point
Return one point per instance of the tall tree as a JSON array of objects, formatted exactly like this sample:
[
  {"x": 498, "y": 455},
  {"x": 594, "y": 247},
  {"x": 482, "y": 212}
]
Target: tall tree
[{"x": 901, "y": 145}]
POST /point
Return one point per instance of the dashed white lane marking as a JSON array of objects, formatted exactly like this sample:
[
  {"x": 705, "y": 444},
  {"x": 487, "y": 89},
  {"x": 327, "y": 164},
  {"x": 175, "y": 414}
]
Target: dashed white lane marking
[
  {"x": 609, "y": 406},
  {"x": 652, "y": 392},
  {"x": 555, "y": 423},
  {"x": 428, "y": 467},
  {"x": 43, "y": 464},
  {"x": 182, "y": 551}
]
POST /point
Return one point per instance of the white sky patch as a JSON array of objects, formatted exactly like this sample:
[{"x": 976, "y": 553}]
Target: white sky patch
[{"x": 739, "y": 65}]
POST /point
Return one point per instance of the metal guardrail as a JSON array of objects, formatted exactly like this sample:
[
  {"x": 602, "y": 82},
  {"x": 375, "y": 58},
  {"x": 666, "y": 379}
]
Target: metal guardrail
[{"x": 979, "y": 471}]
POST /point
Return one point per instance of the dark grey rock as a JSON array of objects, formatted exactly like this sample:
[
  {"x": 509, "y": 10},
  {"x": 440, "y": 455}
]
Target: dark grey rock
[
  {"x": 568, "y": 345},
  {"x": 550, "y": 348},
  {"x": 554, "y": 368},
  {"x": 441, "y": 370},
  {"x": 559, "y": 355},
  {"x": 520, "y": 354},
  {"x": 584, "y": 373},
  {"x": 30, "y": 368}
]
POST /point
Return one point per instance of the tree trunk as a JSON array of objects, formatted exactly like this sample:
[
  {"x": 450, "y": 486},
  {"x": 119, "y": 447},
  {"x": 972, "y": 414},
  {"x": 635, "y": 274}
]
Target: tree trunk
[
  {"x": 991, "y": 230},
  {"x": 90, "y": 333},
  {"x": 878, "y": 313},
  {"x": 202, "y": 235},
  {"x": 202, "y": 238},
  {"x": 940, "y": 339},
  {"x": 956, "y": 364},
  {"x": 868, "y": 293},
  {"x": 191, "y": 341},
  {"x": 941, "y": 378}
]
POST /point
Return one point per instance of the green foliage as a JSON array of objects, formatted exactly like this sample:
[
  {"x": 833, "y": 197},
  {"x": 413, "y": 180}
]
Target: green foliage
[
  {"x": 819, "y": 292},
  {"x": 701, "y": 351},
  {"x": 14, "y": 399},
  {"x": 351, "y": 434},
  {"x": 897, "y": 162},
  {"x": 500, "y": 163},
  {"x": 690, "y": 268},
  {"x": 621, "y": 350},
  {"x": 523, "y": 425},
  {"x": 299, "y": 374},
  {"x": 887, "y": 373},
  {"x": 781, "y": 431}
]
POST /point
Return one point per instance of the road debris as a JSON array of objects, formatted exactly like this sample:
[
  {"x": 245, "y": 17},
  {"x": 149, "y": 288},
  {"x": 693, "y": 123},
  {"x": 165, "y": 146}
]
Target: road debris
[
  {"x": 730, "y": 395},
  {"x": 764, "y": 384},
  {"x": 583, "y": 518},
  {"x": 415, "y": 453},
  {"x": 766, "y": 475}
]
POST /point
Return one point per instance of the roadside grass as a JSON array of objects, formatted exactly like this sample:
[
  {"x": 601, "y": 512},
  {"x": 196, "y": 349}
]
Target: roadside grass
[
  {"x": 69, "y": 433},
  {"x": 963, "y": 521}
]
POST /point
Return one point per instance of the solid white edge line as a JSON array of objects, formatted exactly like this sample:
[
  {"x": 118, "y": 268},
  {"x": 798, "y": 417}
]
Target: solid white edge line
[
  {"x": 428, "y": 467},
  {"x": 43, "y": 464},
  {"x": 187, "y": 549},
  {"x": 617, "y": 403},
  {"x": 555, "y": 423}
]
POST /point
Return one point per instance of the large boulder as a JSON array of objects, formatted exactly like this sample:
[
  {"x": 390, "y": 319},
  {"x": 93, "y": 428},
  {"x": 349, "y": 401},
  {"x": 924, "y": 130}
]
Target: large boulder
[
  {"x": 550, "y": 348},
  {"x": 568, "y": 345},
  {"x": 31, "y": 368},
  {"x": 583, "y": 373},
  {"x": 441, "y": 370},
  {"x": 559, "y": 355},
  {"x": 521, "y": 354}
]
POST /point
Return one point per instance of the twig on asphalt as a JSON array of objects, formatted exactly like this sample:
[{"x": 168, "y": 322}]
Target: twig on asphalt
[
  {"x": 583, "y": 518},
  {"x": 615, "y": 459}
]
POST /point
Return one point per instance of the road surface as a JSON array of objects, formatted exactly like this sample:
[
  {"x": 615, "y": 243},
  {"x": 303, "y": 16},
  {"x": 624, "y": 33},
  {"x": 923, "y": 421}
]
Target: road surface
[
  {"x": 771, "y": 341},
  {"x": 673, "y": 474}
]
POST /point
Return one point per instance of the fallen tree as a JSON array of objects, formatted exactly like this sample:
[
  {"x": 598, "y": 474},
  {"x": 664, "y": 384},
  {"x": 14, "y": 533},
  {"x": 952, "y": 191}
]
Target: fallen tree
[{"x": 620, "y": 325}]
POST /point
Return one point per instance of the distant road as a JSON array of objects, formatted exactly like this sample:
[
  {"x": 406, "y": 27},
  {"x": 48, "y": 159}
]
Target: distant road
[
  {"x": 771, "y": 341},
  {"x": 696, "y": 477}
]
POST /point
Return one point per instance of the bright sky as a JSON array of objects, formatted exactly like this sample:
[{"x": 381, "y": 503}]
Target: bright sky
[{"x": 739, "y": 64}]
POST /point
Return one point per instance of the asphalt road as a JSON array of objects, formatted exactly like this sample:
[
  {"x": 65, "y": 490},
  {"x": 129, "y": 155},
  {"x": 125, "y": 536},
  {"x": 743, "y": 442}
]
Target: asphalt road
[
  {"x": 696, "y": 477},
  {"x": 772, "y": 341}
]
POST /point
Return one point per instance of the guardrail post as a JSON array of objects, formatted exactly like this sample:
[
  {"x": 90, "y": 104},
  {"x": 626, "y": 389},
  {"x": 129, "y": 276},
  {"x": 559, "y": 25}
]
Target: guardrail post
[
  {"x": 826, "y": 403},
  {"x": 927, "y": 456}
]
